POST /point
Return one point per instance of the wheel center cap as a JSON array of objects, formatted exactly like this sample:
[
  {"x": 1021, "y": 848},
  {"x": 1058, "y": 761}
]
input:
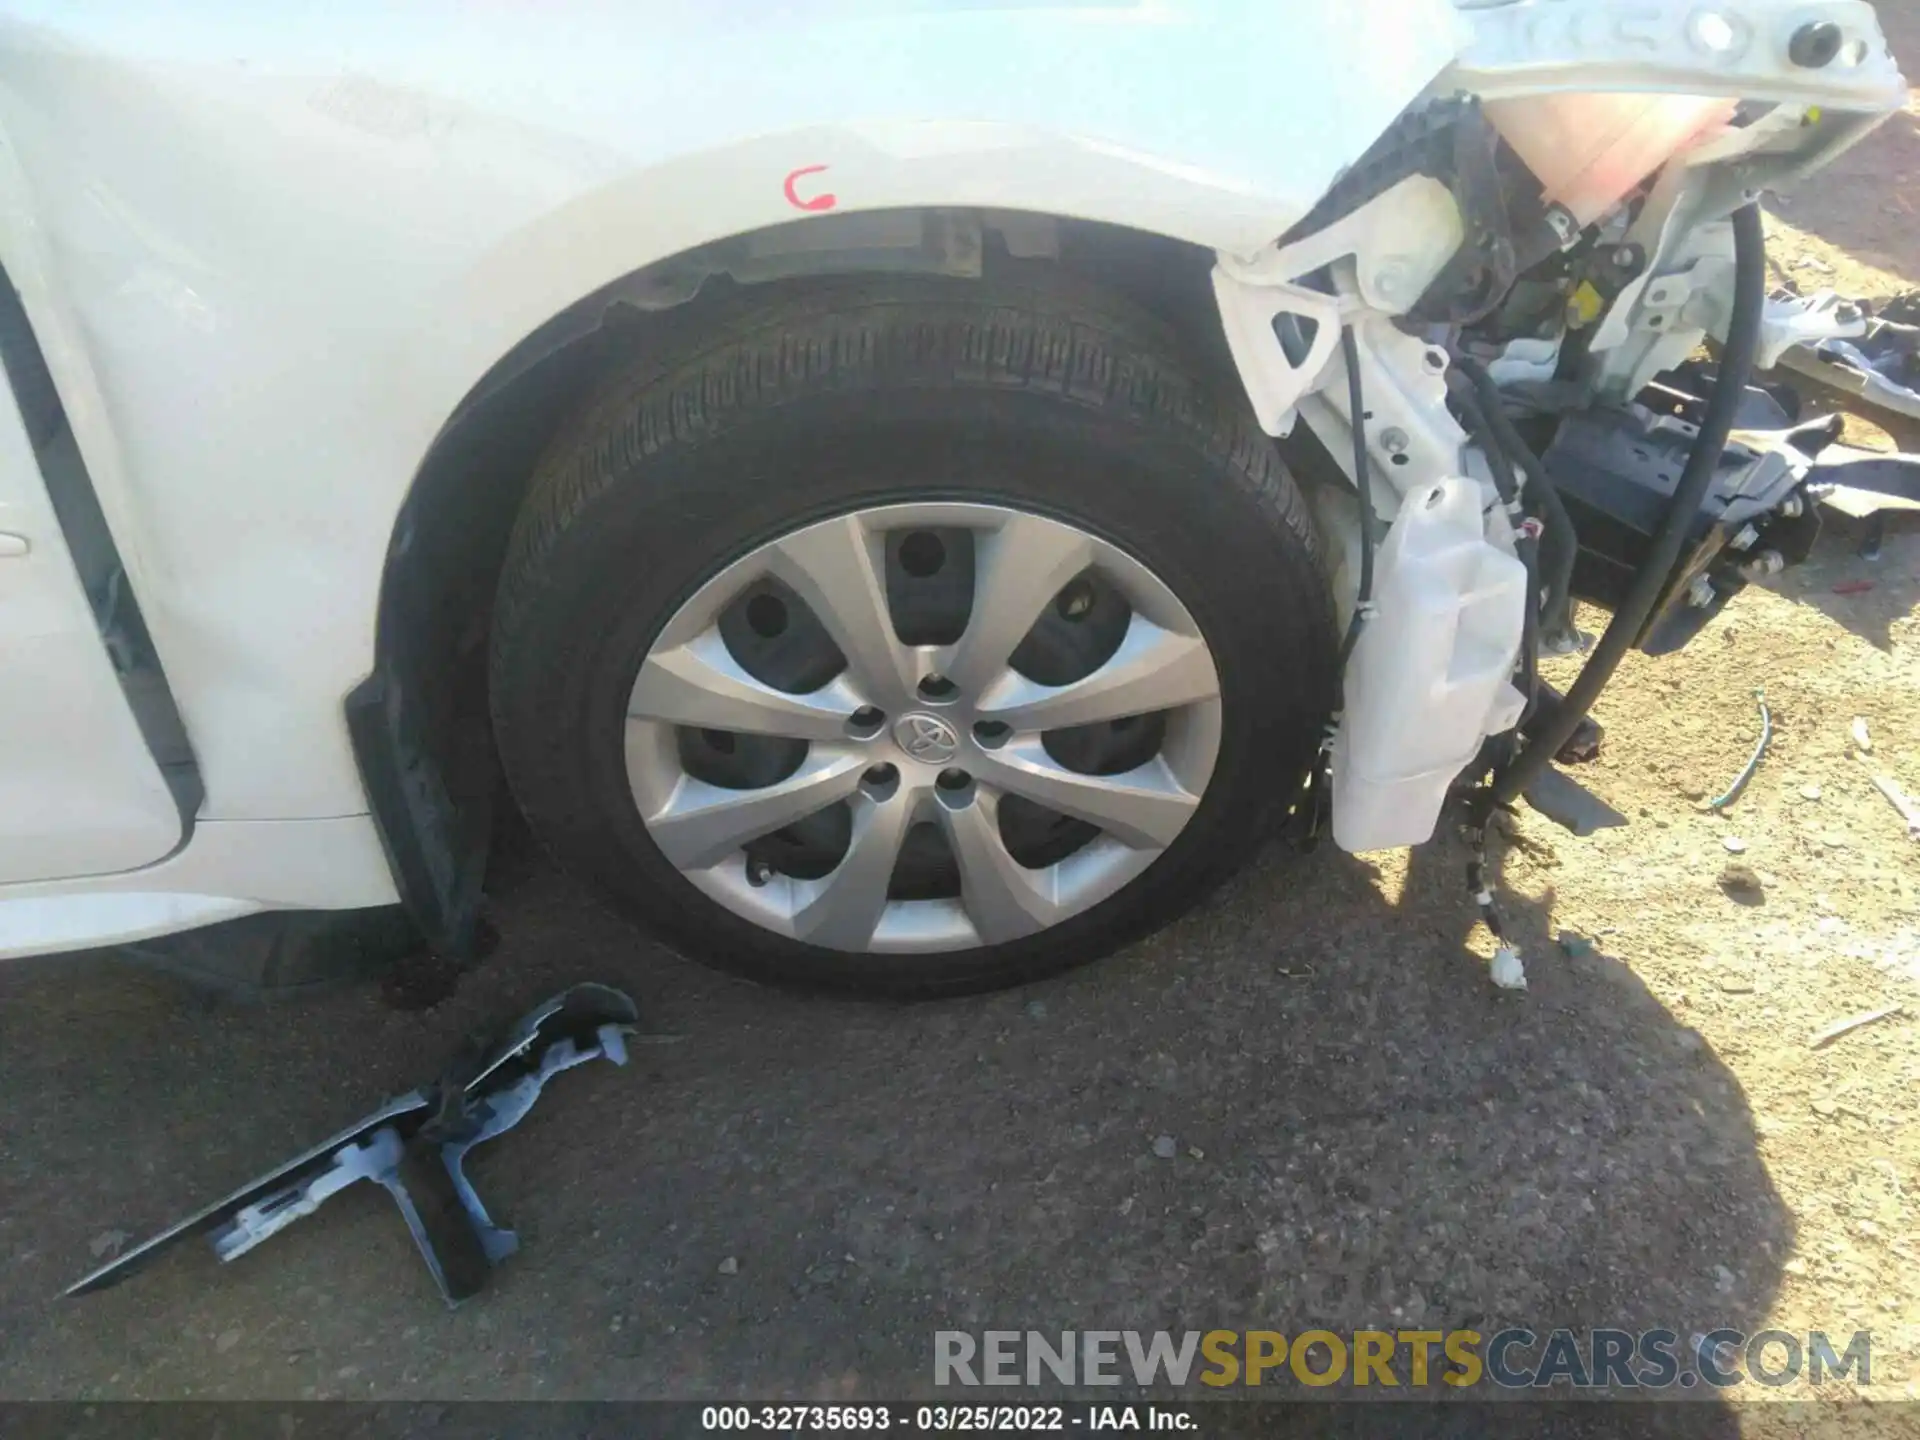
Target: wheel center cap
[{"x": 926, "y": 737}]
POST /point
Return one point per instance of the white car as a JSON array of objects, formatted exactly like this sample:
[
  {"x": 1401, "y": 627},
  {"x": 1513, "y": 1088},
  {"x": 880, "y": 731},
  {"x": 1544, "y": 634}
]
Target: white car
[{"x": 879, "y": 482}]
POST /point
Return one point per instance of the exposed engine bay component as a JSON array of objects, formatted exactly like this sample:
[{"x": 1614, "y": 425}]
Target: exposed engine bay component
[
  {"x": 1408, "y": 428},
  {"x": 1283, "y": 314},
  {"x": 1559, "y": 541},
  {"x": 1653, "y": 580},
  {"x": 1451, "y": 142},
  {"x": 1807, "y": 320},
  {"x": 1618, "y": 471},
  {"x": 1589, "y": 151},
  {"x": 1363, "y": 488},
  {"x": 1877, "y": 360},
  {"x": 1568, "y": 215},
  {"x": 1873, "y": 354},
  {"x": 414, "y": 1147},
  {"x": 1420, "y": 142},
  {"x": 1393, "y": 237},
  {"x": 1433, "y": 671},
  {"x": 1743, "y": 49},
  {"x": 1868, "y": 473}
]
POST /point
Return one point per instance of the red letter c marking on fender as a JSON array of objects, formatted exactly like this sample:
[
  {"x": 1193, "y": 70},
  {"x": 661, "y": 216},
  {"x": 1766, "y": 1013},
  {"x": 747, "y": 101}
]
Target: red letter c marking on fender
[{"x": 824, "y": 201}]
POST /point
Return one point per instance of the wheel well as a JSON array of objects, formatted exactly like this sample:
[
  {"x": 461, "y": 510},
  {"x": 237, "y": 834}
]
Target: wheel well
[{"x": 419, "y": 722}]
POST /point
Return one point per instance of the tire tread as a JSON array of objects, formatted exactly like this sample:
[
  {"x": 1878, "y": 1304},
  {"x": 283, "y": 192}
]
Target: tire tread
[{"x": 749, "y": 354}]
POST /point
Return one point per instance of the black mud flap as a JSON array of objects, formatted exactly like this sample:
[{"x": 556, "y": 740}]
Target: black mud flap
[{"x": 430, "y": 773}]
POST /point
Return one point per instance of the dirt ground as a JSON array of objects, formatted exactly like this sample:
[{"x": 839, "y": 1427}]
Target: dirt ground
[{"x": 787, "y": 1197}]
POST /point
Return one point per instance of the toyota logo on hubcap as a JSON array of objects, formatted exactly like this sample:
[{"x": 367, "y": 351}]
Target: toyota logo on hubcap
[{"x": 926, "y": 737}]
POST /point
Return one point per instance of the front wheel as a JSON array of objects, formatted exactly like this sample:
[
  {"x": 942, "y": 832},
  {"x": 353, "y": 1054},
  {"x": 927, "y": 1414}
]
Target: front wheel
[{"x": 911, "y": 638}]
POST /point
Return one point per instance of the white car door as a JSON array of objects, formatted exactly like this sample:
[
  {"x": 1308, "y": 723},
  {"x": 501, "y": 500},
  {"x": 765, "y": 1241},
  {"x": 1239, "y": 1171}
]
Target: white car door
[{"x": 80, "y": 793}]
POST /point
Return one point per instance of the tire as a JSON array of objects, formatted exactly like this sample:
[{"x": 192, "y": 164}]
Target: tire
[{"x": 1056, "y": 405}]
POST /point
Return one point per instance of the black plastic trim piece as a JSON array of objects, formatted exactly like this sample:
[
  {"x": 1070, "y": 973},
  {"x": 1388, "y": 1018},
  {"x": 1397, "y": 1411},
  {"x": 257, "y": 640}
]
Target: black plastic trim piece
[
  {"x": 89, "y": 540},
  {"x": 433, "y": 812},
  {"x": 420, "y": 725}
]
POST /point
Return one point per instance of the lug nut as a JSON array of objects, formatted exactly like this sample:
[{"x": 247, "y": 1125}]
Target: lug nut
[
  {"x": 954, "y": 789},
  {"x": 991, "y": 733},
  {"x": 1075, "y": 601}
]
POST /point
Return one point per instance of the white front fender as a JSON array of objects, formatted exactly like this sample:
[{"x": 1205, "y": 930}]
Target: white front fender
[{"x": 269, "y": 248}]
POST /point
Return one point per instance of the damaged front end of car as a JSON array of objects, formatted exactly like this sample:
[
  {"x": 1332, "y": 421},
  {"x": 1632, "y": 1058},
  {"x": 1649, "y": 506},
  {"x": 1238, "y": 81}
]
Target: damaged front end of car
[{"x": 1490, "y": 327}]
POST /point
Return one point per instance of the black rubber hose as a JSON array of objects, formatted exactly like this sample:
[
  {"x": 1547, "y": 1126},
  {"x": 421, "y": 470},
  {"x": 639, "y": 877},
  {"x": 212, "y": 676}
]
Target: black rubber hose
[
  {"x": 1650, "y": 580},
  {"x": 1481, "y": 428},
  {"x": 1559, "y": 545},
  {"x": 1363, "y": 482},
  {"x": 1528, "y": 551}
]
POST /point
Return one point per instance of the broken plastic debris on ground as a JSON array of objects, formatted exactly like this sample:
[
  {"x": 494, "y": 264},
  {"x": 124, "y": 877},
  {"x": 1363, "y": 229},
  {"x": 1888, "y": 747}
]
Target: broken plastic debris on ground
[{"x": 414, "y": 1146}]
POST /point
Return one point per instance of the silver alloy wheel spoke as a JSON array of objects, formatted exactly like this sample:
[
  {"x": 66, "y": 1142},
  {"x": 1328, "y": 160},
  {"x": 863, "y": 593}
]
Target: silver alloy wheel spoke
[
  {"x": 1017, "y": 570},
  {"x": 1002, "y": 897},
  {"x": 1144, "y": 808},
  {"x": 880, "y": 764},
  {"x": 1153, "y": 670},
  {"x": 848, "y": 903},
  {"x": 701, "y": 684},
  {"x": 836, "y": 567},
  {"x": 702, "y": 824}
]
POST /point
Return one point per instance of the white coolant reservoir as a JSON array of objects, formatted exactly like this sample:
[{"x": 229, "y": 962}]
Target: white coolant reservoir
[{"x": 1431, "y": 676}]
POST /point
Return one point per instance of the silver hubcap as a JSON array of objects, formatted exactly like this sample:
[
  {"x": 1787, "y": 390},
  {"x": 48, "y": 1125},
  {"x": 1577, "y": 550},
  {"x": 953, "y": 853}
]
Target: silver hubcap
[{"x": 1037, "y": 738}]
